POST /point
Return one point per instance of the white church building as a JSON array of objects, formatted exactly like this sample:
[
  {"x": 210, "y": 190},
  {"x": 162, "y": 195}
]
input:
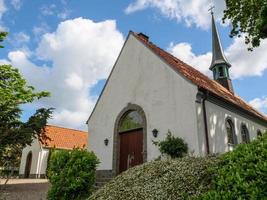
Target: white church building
[{"x": 149, "y": 92}]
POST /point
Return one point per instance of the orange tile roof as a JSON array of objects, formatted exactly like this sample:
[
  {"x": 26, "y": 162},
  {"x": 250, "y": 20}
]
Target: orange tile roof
[
  {"x": 63, "y": 138},
  {"x": 198, "y": 78}
]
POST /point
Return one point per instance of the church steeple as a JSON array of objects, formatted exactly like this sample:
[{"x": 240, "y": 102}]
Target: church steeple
[{"x": 219, "y": 64}]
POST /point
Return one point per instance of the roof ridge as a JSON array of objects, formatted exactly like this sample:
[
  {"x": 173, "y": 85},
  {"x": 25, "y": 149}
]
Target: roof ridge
[
  {"x": 66, "y": 128},
  {"x": 201, "y": 80}
]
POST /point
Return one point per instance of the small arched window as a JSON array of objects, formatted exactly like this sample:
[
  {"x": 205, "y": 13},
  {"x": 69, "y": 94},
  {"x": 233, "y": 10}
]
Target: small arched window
[
  {"x": 244, "y": 134},
  {"x": 259, "y": 133},
  {"x": 132, "y": 120},
  {"x": 230, "y": 129}
]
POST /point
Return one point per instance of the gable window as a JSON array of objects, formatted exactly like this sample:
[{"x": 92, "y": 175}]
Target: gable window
[
  {"x": 259, "y": 133},
  {"x": 230, "y": 129},
  {"x": 244, "y": 134},
  {"x": 132, "y": 120}
]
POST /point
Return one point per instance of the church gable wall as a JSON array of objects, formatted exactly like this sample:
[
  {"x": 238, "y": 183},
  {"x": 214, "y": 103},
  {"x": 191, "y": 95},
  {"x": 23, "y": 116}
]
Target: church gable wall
[{"x": 142, "y": 78}]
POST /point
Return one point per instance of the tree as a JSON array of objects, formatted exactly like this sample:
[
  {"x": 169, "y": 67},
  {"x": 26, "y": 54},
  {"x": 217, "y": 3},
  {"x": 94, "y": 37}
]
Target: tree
[
  {"x": 248, "y": 17},
  {"x": 14, "y": 133},
  {"x": 14, "y": 92},
  {"x": 3, "y": 35}
]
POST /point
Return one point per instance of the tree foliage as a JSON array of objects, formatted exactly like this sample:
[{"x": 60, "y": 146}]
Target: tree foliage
[
  {"x": 172, "y": 146},
  {"x": 72, "y": 174},
  {"x": 3, "y": 35},
  {"x": 242, "y": 173},
  {"x": 15, "y": 134},
  {"x": 249, "y": 17}
]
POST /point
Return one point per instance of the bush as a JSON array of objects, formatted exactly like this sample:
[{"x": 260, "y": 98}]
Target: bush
[
  {"x": 165, "y": 179},
  {"x": 242, "y": 173},
  {"x": 174, "y": 147},
  {"x": 72, "y": 174}
]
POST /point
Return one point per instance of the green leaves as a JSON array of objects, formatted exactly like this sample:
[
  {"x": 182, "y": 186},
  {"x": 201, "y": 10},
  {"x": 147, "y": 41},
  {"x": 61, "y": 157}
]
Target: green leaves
[
  {"x": 15, "y": 134},
  {"x": 242, "y": 173},
  {"x": 174, "y": 147},
  {"x": 249, "y": 17},
  {"x": 72, "y": 174}
]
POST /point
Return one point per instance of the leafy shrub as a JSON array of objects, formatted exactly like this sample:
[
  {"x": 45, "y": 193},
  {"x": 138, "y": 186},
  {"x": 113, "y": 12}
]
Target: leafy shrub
[
  {"x": 165, "y": 179},
  {"x": 174, "y": 147},
  {"x": 72, "y": 174},
  {"x": 242, "y": 173}
]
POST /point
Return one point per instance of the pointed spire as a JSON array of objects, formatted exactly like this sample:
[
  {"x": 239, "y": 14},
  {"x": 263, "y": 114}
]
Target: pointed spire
[{"x": 217, "y": 52}]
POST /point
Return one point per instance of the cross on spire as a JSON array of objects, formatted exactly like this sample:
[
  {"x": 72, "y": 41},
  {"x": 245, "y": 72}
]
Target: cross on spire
[{"x": 211, "y": 9}]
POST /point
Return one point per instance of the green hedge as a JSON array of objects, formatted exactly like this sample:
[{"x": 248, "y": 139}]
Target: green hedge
[
  {"x": 242, "y": 173},
  {"x": 170, "y": 179},
  {"x": 72, "y": 174}
]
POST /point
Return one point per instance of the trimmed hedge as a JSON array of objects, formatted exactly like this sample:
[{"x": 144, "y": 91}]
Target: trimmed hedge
[
  {"x": 166, "y": 179},
  {"x": 72, "y": 174},
  {"x": 242, "y": 173}
]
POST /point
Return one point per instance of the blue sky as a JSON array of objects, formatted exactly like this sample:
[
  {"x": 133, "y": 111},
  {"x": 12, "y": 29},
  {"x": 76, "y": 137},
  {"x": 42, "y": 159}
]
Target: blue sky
[{"x": 69, "y": 47}]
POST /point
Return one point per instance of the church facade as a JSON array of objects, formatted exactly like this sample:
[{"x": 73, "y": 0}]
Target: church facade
[{"x": 150, "y": 92}]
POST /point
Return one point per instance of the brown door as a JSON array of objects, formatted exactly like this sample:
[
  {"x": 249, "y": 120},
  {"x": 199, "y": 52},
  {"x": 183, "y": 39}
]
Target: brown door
[
  {"x": 131, "y": 148},
  {"x": 28, "y": 165}
]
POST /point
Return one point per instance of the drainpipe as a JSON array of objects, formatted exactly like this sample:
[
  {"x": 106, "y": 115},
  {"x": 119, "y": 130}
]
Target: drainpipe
[
  {"x": 205, "y": 121},
  {"x": 201, "y": 98}
]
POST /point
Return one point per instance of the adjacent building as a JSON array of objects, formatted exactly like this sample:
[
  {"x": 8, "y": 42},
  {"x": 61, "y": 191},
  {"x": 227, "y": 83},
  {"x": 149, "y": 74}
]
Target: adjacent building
[{"x": 35, "y": 156}]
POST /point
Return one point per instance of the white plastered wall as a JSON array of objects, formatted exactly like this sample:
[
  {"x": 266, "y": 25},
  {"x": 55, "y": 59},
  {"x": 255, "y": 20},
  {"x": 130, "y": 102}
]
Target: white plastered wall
[
  {"x": 168, "y": 100},
  {"x": 216, "y": 117},
  {"x": 39, "y": 159}
]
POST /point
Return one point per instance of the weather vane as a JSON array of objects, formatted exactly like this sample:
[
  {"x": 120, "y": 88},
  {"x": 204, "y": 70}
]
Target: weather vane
[{"x": 211, "y": 9}]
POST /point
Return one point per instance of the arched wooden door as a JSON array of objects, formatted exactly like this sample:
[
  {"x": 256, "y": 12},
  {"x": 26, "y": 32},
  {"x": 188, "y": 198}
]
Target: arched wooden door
[
  {"x": 131, "y": 141},
  {"x": 28, "y": 165}
]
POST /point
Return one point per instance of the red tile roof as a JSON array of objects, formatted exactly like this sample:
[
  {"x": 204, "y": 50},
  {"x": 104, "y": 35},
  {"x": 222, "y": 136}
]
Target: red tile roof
[
  {"x": 63, "y": 138},
  {"x": 198, "y": 78}
]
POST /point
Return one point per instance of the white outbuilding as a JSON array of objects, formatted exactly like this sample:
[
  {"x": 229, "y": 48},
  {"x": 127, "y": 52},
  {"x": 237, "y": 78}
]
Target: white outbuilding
[
  {"x": 35, "y": 156},
  {"x": 149, "y": 92}
]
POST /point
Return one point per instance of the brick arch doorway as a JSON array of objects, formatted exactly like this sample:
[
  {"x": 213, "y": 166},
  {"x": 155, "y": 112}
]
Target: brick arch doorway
[
  {"x": 28, "y": 165},
  {"x": 130, "y": 138}
]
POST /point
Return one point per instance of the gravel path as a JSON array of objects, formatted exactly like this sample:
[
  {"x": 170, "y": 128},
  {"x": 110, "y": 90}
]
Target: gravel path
[{"x": 24, "y": 189}]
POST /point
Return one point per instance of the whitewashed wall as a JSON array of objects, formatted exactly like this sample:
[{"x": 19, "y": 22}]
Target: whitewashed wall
[
  {"x": 216, "y": 117},
  {"x": 35, "y": 149},
  {"x": 39, "y": 159},
  {"x": 142, "y": 78}
]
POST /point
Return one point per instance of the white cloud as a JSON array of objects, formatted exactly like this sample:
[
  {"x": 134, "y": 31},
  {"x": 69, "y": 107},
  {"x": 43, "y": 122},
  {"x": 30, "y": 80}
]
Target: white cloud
[
  {"x": 3, "y": 8},
  {"x": 19, "y": 39},
  {"x": 47, "y": 10},
  {"x": 183, "y": 51},
  {"x": 82, "y": 52},
  {"x": 260, "y": 104},
  {"x": 64, "y": 14},
  {"x": 16, "y": 4},
  {"x": 244, "y": 63},
  {"x": 192, "y": 12}
]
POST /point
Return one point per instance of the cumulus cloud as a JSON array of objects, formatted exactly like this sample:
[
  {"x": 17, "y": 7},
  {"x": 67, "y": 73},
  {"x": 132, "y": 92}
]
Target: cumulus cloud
[
  {"x": 244, "y": 63},
  {"x": 259, "y": 103},
  {"x": 192, "y": 12},
  {"x": 82, "y": 52}
]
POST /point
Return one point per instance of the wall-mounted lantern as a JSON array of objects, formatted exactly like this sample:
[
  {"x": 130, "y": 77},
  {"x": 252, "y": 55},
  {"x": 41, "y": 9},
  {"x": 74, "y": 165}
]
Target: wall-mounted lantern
[
  {"x": 155, "y": 132},
  {"x": 106, "y": 141}
]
